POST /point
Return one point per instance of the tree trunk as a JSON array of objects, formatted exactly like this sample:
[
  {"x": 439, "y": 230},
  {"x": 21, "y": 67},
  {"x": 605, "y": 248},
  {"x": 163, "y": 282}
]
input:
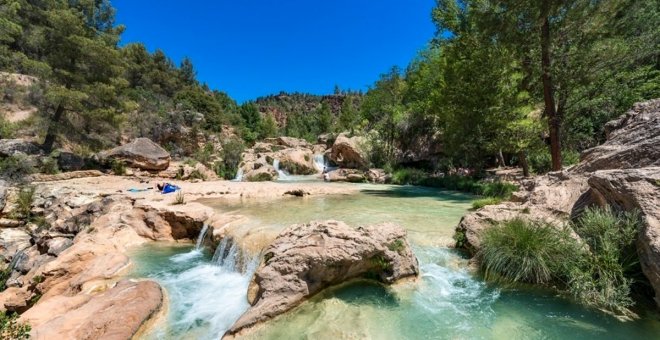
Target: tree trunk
[
  {"x": 500, "y": 158},
  {"x": 522, "y": 156},
  {"x": 554, "y": 121},
  {"x": 52, "y": 129}
]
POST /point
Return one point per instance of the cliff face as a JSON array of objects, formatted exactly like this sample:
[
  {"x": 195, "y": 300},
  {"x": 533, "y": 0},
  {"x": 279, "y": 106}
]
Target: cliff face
[{"x": 623, "y": 173}]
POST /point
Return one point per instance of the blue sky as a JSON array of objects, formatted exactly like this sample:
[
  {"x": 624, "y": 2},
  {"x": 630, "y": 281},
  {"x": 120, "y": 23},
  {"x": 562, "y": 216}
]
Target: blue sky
[{"x": 251, "y": 48}]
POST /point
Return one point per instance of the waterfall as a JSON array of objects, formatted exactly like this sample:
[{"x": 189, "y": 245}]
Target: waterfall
[
  {"x": 319, "y": 162},
  {"x": 230, "y": 257},
  {"x": 239, "y": 175},
  {"x": 200, "y": 238},
  {"x": 282, "y": 174}
]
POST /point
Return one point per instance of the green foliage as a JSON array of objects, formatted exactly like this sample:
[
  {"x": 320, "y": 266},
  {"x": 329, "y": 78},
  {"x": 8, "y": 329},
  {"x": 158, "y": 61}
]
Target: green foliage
[
  {"x": 16, "y": 168},
  {"x": 49, "y": 166},
  {"x": 118, "y": 167},
  {"x": 4, "y": 276},
  {"x": 604, "y": 277},
  {"x": 231, "y": 157},
  {"x": 398, "y": 245},
  {"x": 521, "y": 251},
  {"x": 540, "y": 161},
  {"x": 600, "y": 272},
  {"x": 480, "y": 203},
  {"x": 10, "y": 328},
  {"x": 24, "y": 203},
  {"x": 408, "y": 176}
]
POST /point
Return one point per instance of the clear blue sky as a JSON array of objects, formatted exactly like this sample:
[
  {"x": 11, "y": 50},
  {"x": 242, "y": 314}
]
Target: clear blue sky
[{"x": 251, "y": 48}]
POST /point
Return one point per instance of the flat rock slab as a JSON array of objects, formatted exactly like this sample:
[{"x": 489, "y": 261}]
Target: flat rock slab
[
  {"x": 117, "y": 313},
  {"x": 306, "y": 258}
]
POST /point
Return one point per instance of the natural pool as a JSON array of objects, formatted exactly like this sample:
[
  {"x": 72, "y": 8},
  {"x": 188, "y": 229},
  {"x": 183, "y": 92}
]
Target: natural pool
[{"x": 448, "y": 302}]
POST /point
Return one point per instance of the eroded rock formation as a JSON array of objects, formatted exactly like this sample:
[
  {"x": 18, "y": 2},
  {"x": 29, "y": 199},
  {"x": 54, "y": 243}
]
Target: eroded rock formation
[
  {"x": 306, "y": 258},
  {"x": 141, "y": 153}
]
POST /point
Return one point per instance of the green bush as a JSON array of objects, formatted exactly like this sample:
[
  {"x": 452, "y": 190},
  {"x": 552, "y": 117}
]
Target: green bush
[
  {"x": 480, "y": 203},
  {"x": 408, "y": 176},
  {"x": 49, "y": 166},
  {"x": 540, "y": 162},
  {"x": 231, "y": 158},
  {"x": 24, "y": 203},
  {"x": 118, "y": 167},
  {"x": 10, "y": 328},
  {"x": 15, "y": 168},
  {"x": 522, "y": 251},
  {"x": 604, "y": 278}
]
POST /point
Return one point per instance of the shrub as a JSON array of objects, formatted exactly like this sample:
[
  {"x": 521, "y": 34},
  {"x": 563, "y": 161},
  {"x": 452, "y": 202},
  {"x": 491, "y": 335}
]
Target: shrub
[
  {"x": 604, "y": 278},
  {"x": 49, "y": 166},
  {"x": 522, "y": 251},
  {"x": 180, "y": 198},
  {"x": 231, "y": 158},
  {"x": 118, "y": 167},
  {"x": 480, "y": 203},
  {"x": 16, "y": 168},
  {"x": 408, "y": 176},
  {"x": 540, "y": 162},
  {"x": 10, "y": 328},
  {"x": 24, "y": 203},
  {"x": 497, "y": 189}
]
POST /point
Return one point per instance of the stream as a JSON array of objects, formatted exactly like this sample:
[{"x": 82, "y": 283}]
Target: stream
[{"x": 207, "y": 288}]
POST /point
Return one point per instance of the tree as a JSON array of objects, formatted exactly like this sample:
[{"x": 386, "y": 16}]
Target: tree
[
  {"x": 348, "y": 117},
  {"x": 267, "y": 127},
  {"x": 187, "y": 72}
]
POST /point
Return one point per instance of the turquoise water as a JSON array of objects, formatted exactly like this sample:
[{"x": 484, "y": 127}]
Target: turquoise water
[{"x": 447, "y": 302}]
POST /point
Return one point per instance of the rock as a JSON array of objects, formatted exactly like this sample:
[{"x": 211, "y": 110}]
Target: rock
[
  {"x": 297, "y": 161},
  {"x": 550, "y": 198},
  {"x": 141, "y": 153},
  {"x": 29, "y": 259},
  {"x": 348, "y": 152},
  {"x": 262, "y": 174},
  {"x": 68, "y": 161},
  {"x": 65, "y": 176},
  {"x": 289, "y": 142},
  {"x": 4, "y": 186},
  {"x": 12, "y": 147},
  {"x": 117, "y": 313},
  {"x": 378, "y": 176},
  {"x": 15, "y": 299},
  {"x": 297, "y": 193},
  {"x": 197, "y": 171},
  {"x": 57, "y": 245},
  {"x": 12, "y": 241},
  {"x": 306, "y": 258},
  {"x": 633, "y": 141},
  {"x": 636, "y": 189},
  {"x": 345, "y": 175},
  {"x": 9, "y": 223}
]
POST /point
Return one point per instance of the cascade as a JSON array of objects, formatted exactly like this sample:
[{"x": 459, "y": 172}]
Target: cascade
[
  {"x": 319, "y": 162},
  {"x": 282, "y": 174},
  {"x": 200, "y": 238},
  {"x": 239, "y": 175}
]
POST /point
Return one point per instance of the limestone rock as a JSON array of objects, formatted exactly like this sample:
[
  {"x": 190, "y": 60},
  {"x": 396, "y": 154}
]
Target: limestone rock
[
  {"x": 141, "y": 153},
  {"x": 378, "y": 176},
  {"x": 12, "y": 147},
  {"x": 263, "y": 173},
  {"x": 12, "y": 241},
  {"x": 4, "y": 186},
  {"x": 636, "y": 190},
  {"x": 297, "y": 161},
  {"x": 346, "y": 175},
  {"x": 306, "y": 258},
  {"x": 68, "y": 161},
  {"x": 348, "y": 152},
  {"x": 117, "y": 313},
  {"x": 633, "y": 141},
  {"x": 65, "y": 176}
]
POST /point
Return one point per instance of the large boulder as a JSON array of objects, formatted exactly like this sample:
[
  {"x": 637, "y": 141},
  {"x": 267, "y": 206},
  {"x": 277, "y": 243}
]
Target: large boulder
[
  {"x": 636, "y": 189},
  {"x": 345, "y": 175},
  {"x": 118, "y": 313},
  {"x": 12, "y": 147},
  {"x": 306, "y": 258},
  {"x": 263, "y": 173},
  {"x": 349, "y": 152},
  {"x": 12, "y": 241},
  {"x": 289, "y": 142},
  {"x": 633, "y": 141},
  {"x": 297, "y": 161},
  {"x": 141, "y": 153}
]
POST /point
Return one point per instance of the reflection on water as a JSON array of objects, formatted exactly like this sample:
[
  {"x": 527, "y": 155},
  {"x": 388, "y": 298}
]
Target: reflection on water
[{"x": 446, "y": 302}]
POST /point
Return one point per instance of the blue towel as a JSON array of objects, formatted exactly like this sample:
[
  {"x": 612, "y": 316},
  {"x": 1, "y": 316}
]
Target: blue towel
[
  {"x": 168, "y": 188},
  {"x": 137, "y": 190}
]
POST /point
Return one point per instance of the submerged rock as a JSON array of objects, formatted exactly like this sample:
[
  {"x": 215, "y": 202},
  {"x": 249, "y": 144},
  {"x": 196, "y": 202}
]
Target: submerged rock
[{"x": 306, "y": 258}]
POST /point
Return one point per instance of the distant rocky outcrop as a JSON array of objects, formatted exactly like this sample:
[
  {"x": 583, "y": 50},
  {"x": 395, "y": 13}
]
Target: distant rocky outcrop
[
  {"x": 141, "y": 153},
  {"x": 293, "y": 156},
  {"x": 304, "y": 259},
  {"x": 623, "y": 173}
]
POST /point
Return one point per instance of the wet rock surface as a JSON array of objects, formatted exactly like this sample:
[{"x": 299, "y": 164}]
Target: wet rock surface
[{"x": 306, "y": 258}]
